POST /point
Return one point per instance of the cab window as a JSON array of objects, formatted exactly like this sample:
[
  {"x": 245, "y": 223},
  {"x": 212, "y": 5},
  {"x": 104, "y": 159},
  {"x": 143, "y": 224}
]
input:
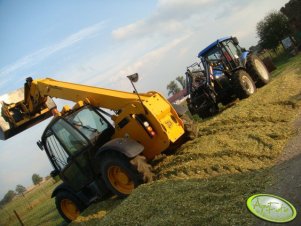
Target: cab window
[
  {"x": 69, "y": 137},
  {"x": 56, "y": 152},
  {"x": 89, "y": 123},
  {"x": 214, "y": 54}
]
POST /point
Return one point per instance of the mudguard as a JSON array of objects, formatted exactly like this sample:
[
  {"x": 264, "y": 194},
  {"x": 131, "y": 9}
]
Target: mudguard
[
  {"x": 62, "y": 187},
  {"x": 244, "y": 57},
  {"x": 126, "y": 146},
  {"x": 85, "y": 198}
]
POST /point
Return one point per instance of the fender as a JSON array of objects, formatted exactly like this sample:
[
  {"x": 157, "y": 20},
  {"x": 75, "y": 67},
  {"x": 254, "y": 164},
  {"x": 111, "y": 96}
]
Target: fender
[
  {"x": 86, "y": 199},
  {"x": 127, "y": 146},
  {"x": 244, "y": 57},
  {"x": 62, "y": 187}
]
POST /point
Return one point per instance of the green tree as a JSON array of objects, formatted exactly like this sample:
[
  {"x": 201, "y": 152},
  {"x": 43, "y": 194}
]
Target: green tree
[
  {"x": 181, "y": 80},
  {"x": 172, "y": 88},
  {"x": 272, "y": 29},
  {"x": 36, "y": 179},
  {"x": 20, "y": 189},
  {"x": 8, "y": 197}
]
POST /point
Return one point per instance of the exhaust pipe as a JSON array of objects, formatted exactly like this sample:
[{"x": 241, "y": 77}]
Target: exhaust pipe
[{"x": 15, "y": 117}]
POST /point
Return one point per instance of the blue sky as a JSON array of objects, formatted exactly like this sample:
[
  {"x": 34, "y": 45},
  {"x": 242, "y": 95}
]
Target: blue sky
[{"x": 100, "y": 42}]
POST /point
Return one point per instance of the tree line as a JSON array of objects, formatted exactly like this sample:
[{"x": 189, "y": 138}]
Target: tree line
[
  {"x": 20, "y": 190},
  {"x": 173, "y": 87},
  {"x": 272, "y": 29}
]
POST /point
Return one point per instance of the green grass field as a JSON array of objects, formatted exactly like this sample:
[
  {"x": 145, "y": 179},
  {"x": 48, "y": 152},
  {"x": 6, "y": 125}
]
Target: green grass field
[
  {"x": 207, "y": 180},
  {"x": 35, "y": 208}
]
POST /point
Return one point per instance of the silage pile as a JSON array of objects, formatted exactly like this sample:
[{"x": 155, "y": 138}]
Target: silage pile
[{"x": 248, "y": 136}]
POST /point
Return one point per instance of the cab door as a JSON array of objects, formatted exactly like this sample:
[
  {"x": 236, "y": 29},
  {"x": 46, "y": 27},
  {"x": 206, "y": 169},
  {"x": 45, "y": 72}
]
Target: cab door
[
  {"x": 232, "y": 53},
  {"x": 68, "y": 151}
]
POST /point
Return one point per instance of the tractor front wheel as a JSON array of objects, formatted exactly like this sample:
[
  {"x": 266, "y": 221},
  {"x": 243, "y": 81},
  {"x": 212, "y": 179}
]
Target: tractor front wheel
[
  {"x": 243, "y": 84},
  {"x": 68, "y": 205}
]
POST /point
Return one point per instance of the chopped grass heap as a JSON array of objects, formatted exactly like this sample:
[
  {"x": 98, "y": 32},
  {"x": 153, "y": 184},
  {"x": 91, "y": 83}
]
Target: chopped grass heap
[{"x": 247, "y": 136}]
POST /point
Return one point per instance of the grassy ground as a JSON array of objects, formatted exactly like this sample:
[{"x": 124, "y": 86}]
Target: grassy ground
[
  {"x": 208, "y": 180},
  {"x": 35, "y": 208}
]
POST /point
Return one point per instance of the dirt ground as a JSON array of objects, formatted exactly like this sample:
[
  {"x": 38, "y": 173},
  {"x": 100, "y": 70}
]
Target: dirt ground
[{"x": 288, "y": 174}]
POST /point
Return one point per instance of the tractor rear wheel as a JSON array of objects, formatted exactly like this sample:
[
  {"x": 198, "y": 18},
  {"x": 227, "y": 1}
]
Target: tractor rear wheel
[
  {"x": 258, "y": 71},
  {"x": 209, "y": 111},
  {"x": 122, "y": 175},
  {"x": 243, "y": 84},
  {"x": 68, "y": 205}
]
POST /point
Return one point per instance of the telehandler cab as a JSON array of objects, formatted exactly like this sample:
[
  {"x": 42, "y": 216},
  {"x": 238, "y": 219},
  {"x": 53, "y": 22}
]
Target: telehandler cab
[{"x": 91, "y": 156}]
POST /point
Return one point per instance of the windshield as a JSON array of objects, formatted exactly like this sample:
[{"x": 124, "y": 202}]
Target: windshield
[
  {"x": 233, "y": 50},
  {"x": 89, "y": 123},
  {"x": 213, "y": 54}
]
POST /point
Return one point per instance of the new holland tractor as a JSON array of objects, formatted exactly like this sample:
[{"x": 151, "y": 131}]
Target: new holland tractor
[{"x": 226, "y": 71}]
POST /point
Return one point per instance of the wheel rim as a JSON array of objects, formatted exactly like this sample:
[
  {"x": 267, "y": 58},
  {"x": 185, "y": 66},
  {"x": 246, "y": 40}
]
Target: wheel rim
[
  {"x": 247, "y": 83},
  {"x": 262, "y": 69},
  {"x": 69, "y": 209},
  {"x": 120, "y": 180}
]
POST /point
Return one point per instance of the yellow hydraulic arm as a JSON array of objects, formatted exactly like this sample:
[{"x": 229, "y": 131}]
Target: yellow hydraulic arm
[
  {"x": 128, "y": 107},
  {"x": 99, "y": 97}
]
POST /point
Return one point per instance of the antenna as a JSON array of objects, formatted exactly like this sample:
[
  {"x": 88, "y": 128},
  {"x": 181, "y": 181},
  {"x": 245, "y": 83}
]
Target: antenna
[{"x": 134, "y": 78}]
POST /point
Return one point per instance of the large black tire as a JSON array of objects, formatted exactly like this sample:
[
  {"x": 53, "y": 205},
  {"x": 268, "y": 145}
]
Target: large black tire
[
  {"x": 243, "y": 84},
  {"x": 258, "y": 70},
  {"x": 120, "y": 176},
  {"x": 68, "y": 205}
]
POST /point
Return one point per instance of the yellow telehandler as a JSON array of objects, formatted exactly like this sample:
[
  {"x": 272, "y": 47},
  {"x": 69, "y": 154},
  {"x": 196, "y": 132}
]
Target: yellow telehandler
[{"x": 92, "y": 157}]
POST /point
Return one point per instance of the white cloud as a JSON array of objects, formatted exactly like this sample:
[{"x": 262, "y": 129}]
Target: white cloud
[
  {"x": 169, "y": 17},
  {"x": 152, "y": 58},
  {"x": 43, "y": 53}
]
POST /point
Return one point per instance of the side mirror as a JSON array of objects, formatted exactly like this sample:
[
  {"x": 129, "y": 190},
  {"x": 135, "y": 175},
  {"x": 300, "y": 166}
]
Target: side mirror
[
  {"x": 133, "y": 77},
  {"x": 235, "y": 41},
  {"x": 40, "y": 145}
]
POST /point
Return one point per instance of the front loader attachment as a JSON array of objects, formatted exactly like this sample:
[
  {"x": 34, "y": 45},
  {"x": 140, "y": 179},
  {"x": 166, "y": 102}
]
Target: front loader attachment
[{"x": 15, "y": 116}]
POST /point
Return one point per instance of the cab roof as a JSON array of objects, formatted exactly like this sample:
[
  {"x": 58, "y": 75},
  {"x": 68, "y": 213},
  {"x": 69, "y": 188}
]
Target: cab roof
[{"x": 211, "y": 46}]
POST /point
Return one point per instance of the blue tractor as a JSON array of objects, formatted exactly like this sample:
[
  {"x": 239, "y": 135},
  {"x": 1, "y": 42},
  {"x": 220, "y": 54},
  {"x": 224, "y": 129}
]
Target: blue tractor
[{"x": 226, "y": 71}]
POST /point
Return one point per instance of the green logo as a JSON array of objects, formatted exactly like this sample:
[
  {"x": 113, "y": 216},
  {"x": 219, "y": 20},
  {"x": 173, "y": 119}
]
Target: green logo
[{"x": 271, "y": 208}]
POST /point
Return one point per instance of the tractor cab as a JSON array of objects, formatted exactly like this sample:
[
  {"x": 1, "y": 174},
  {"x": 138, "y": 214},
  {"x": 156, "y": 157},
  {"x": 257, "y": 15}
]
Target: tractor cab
[{"x": 224, "y": 54}]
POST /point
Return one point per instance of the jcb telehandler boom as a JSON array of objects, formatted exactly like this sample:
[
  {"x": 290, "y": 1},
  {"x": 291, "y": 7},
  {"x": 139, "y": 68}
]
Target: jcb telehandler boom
[{"x": 90, "y": 155}]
